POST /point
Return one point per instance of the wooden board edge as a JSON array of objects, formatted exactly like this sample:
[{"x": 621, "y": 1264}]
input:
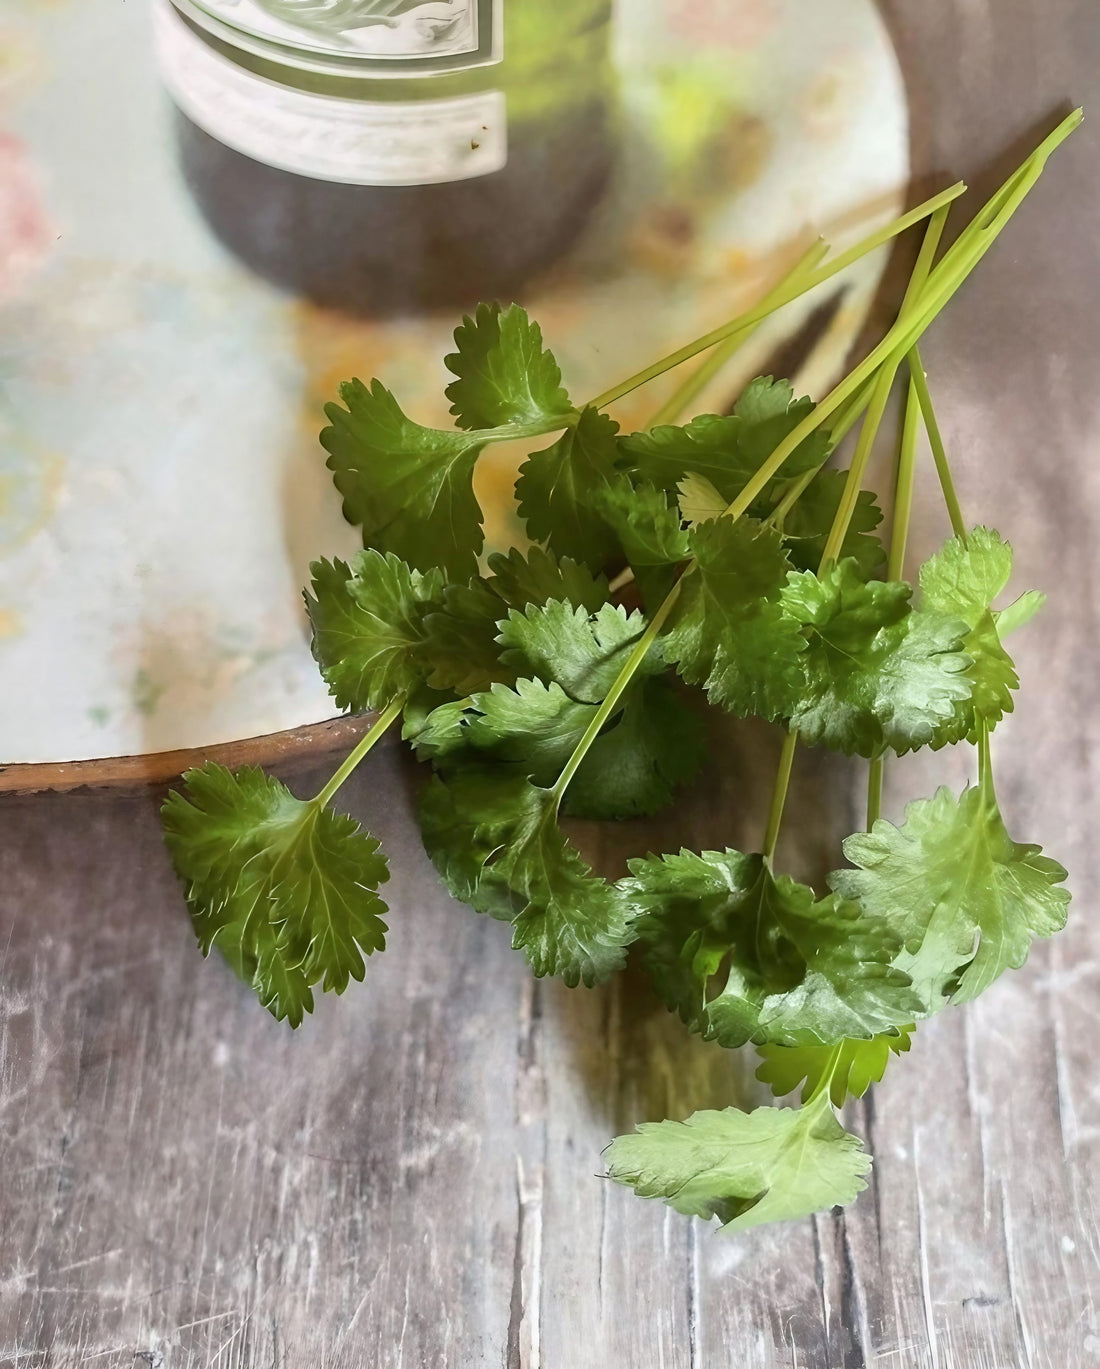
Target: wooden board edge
[{"x": 295, "y": 749}]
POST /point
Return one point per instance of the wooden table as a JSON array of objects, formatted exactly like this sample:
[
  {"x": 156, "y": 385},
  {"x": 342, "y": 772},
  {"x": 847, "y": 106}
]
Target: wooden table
[{"x": 409, "y": 1180}]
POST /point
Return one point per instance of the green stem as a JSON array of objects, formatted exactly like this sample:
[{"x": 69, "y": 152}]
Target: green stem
[
  {"x": 508, "y": 432},
  {"x": 779, "y": 794},
  {"x": 700, "y": 378},
  {"x": 903, "y": 485},
  {"x": 874, "y": 789},
  {"x": 880, "y": 395},
  {"x": 784, "y": 296},
  {"x": 985, "y": 764},
  {"x": 825, "y": 1082},
  {"x": 849, "y": 415},
  {"x": 853, "y": 483},
  {"x": 625, "y": 675},
  {"x": 364, "y": 744},
  {"x": 943, "y": 282},
  {"x": 919, "y": 382}
]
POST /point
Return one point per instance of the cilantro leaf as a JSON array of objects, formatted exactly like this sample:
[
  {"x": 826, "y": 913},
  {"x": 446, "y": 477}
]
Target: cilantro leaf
[
  {"x": 533, "y": 728},
  {"x": 651, "y": 743},
  {"x": 286, "y": 890},
  {"x": 728, "y": 450},
  {"x": 728, "y": 631},
  {"x": 648, "y": 529},
  {"x": 582, "y": 651},
  {"x": 367, "y": 622},
  {"x": 698, "y": 499},
  {"x": 537, "y": 576},
  {"x": 460, "y": 639},
  {"x": 962, "y": 580},
  {"x": 743, "y": 955},
  {"x": 1019, "y": 612},
  {"x": 650, "y": 747},
  {"x": 876, "y": 672},
  {"x": 806, "y": 527},
  {"x": 559, "y": 491},
  {"x": 495, "y": 840},
  {"x": 504, "y": 374},
  {"x": 859, "y": 1065},
  {"x": 409, "y": 488},
  {"x": 965, "y": 899},
  {"x": 770, "y": 1165}
]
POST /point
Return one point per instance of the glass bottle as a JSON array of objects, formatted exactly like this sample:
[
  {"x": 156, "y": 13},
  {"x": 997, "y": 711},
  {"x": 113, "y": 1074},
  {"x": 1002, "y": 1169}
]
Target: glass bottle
[{"x": 383, "y": 155}]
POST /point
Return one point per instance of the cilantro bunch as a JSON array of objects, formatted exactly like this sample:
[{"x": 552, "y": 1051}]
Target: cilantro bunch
[{"x": 723, "y": 551}]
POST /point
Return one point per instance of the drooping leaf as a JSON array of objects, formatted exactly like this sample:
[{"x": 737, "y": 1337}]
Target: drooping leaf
[
  {"x": 649, "y": 531},
  {"x": 698, "y": 499},
  {"x": 584, "y": 652},
  {"x": 460, "y": 639},
  {"x": 877, "y": 673},
  {"x": 746, "y": 1169},
  {"x": 560, "y": 489},
  {"x": 495, "y": 840},
  {"x": 743, "y": 955},
  {"x": 531, "y": 728},
  {"x": 536, "y": 576},
  {"x": 504, "y": 374},
  {"x": 286, "y": 890},
  {"x": 650, "y": 743},
  {"x": 409, "y": 488},
  {"x": 728, "y": 631},
  {"x": 962, "y": 580},
  {"x": 368, "y": 626},
  {"x": 965, "y": 899},
  {"x": 728, "y": 450},
  {"x": 858, "y": 1065},
  {"x": 806, "y": 527},
  {"x": 1019, "y": 612}
]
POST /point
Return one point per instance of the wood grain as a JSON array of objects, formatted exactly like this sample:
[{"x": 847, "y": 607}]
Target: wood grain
[{"x": 410, "y": 1180}]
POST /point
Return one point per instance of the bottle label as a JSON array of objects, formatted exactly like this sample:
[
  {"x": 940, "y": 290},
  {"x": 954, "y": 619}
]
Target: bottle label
[
  {"x": 359, "y": 142},
  {"x": 420, "y": 35}
]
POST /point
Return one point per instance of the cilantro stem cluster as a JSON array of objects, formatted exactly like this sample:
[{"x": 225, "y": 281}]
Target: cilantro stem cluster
[{"x": 722, "y": 563}]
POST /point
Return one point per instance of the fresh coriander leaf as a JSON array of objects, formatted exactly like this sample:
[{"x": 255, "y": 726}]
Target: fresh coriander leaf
[
  {"x": 962, "y": 580},
  {"x": 532, "y": 728},
  {"x": 286, "y": 890},
  {"x": 368, "y": 629},
  {"x": 651, "y": 743},
  {"x": 806, "y": 527},
  {"x": 584, "y": 652},
  {"x": 496, "y": 842},
  {"x": 699, "y": 500},
  {"x": 877, "y": 673},
  {"x": 649, "y": 531},
  {"x": 743, "y": 955},
  {"x": 650, "y": 747},
  {"x": 559, "y": 491},
  {"x": 728, "y": 450},
  {"x": 646, "y": 524},
  {"x": 459, "y": 647},
  {"x": 965, "y": 899},
  {"x": 536, "y": 576},
  {"x": 420, "y": 704},
  {"x": 746, "y": 1169},
  {"x": 1019, "y": 612},
  {"x": 728, "y": 631},
  {"x": 409, "y": 488},
  {"x": 859, "y": 1065},
  {"x": 461, "y": 639},
  {"x": 504, "y": 374}
]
